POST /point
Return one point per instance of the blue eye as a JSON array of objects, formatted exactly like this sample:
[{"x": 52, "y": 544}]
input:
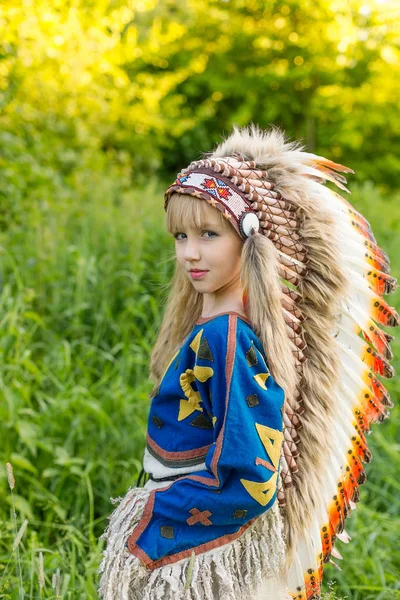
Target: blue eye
[{"x": 179, "y": 233}]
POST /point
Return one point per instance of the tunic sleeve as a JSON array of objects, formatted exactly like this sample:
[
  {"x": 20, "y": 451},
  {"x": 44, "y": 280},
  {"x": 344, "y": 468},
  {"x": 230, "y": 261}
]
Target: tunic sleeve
[{"x": 204, "y": 510}]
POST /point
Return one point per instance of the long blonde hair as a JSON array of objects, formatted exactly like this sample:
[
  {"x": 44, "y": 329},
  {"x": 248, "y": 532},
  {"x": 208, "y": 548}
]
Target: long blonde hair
[{"x": 260, "y": 280}]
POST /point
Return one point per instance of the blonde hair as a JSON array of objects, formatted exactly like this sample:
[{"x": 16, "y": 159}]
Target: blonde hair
[
  {"x": 184, "y": 304},
  {"x": 260, "y": 279}
]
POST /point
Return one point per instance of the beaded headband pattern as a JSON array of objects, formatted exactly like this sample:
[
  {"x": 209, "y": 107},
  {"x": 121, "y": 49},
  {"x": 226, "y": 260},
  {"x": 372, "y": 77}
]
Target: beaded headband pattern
[{"x": 239, "y": 190}]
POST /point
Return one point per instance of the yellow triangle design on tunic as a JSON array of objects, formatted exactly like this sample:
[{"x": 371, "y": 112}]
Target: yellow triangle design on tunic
[
  {"x": 203, "y": 373},
  {"x": 257, "y": 490},
  {"x": 186, "y": 408},
  {"x": 195, "y": 343},
  {"x": 170, "y": 362},
  {"x": 267, "y": 436},
  {"x": 261, "y": 379},
  {"x": 262, "y": 358},
  {"x": 186, "y": 379}
]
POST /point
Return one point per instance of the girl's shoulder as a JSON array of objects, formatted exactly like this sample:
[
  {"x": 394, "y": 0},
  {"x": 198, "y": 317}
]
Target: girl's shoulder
[
  {"x": 226, "y": 327},
  {"x": 223, "y": 316}
]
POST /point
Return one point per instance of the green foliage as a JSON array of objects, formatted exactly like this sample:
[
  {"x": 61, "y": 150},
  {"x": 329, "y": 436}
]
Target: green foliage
[
  {"x": 95, "y": 98},
  {"x": 157, "y": 83},
  {"x": 83, "y": 284},
  {"x": 81, "y": 298}
]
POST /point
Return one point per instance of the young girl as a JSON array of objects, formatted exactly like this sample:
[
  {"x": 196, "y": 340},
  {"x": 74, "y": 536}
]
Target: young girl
[{"x": 254, "y": 443}]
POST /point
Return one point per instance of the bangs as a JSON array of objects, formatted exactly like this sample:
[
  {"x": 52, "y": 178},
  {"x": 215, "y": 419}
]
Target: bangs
[{"x": 184, "y": 211}]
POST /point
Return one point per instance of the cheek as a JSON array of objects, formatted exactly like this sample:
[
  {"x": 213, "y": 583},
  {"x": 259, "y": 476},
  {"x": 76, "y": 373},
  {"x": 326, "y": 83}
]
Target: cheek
[
  {"x": 232, "y": 252},
  {"x": 178, "y": 253},
  {"x": 226, "y": 259},
  {"x": 234, "y": 264}
]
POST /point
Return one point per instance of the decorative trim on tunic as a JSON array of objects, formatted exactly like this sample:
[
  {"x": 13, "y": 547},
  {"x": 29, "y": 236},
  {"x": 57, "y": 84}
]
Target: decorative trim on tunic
[
  {"x": 202, "y": 320},
  {"x": 154, "y": 467},
  {"x": 176, "y": 459},
  {"x": 237, "y": 569}
]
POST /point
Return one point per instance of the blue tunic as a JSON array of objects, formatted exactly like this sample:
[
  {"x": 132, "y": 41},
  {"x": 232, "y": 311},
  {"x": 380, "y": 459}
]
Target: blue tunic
[{"x": 217, "y": 406}]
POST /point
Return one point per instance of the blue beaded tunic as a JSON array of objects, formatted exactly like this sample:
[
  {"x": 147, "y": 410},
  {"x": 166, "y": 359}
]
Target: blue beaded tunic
[{"x": 216, "y": 422}]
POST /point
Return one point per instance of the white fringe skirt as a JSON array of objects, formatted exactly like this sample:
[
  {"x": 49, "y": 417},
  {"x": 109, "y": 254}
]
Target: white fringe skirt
[{"x": 246, "y": 569}]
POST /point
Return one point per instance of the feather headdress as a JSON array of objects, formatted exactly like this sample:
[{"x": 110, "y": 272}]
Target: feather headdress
[{"x": 333, "y": 276}]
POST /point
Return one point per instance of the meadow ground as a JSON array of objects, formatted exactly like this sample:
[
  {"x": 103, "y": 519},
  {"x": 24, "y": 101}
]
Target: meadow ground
[{"x": 83, "y": 283}]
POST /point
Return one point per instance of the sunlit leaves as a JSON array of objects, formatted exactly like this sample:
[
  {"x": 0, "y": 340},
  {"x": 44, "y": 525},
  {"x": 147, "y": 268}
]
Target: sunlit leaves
[{"x": 129, "y": 75}]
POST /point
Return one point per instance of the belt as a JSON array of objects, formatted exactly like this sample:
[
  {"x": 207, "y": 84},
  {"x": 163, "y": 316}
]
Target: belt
[{"x": 150, "y": 476}]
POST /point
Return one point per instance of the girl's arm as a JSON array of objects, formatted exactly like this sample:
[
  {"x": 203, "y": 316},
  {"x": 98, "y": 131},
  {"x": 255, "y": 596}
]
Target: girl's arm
[{"x": 212, "y": 507}]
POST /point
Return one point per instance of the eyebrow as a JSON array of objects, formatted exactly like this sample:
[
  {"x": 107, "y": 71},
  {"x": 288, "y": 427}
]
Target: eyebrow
[
  {"x": 209, "y": 225},
  {"x": 215, "y": 225}
]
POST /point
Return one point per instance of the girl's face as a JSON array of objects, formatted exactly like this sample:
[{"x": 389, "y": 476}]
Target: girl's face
[{"x": 211, "y": 246}]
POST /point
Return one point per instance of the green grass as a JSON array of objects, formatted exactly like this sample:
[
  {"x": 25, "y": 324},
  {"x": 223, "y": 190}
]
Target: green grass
[{"x": 83, "y": 278}]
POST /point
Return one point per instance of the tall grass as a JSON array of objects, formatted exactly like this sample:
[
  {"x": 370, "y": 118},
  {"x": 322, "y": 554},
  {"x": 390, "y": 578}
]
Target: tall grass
[
  {"x": 82, "y": 287},
  {"x": 83, "y": 278}
]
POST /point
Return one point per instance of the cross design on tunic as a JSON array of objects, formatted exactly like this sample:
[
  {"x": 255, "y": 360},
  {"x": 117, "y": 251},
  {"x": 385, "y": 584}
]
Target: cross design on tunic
[{"x": 199, "y": 517}]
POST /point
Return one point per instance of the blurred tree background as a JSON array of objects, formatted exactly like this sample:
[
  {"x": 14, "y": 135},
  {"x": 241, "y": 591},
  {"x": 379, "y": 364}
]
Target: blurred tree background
[{"x": 101, "y": 103}]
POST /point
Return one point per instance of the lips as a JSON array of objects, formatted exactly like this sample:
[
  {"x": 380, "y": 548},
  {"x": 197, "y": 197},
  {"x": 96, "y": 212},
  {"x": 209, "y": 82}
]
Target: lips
[
  {"x": 197, "y": 274},
  {"x": 197, "y": 271}
]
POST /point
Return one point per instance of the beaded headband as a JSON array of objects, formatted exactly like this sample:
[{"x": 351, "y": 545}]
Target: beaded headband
[{"x": 240, "y": 191}]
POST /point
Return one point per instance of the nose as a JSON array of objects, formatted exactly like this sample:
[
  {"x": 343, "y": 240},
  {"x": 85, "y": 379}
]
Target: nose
[{"x": 191, "y": 251}]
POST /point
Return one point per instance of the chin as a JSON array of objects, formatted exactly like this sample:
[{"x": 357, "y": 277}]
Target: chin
[{"x": 200, "y": 287}]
